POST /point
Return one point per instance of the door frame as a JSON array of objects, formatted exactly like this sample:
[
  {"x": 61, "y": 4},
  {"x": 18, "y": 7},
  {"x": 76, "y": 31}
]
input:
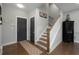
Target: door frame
[
  {"x": 16, "y": 25},
  {"x": 34, "y": 28}
]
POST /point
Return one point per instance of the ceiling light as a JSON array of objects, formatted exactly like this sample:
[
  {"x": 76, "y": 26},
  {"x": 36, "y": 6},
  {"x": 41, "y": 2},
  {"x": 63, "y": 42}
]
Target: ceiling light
[{"x": 20, "y": 6}]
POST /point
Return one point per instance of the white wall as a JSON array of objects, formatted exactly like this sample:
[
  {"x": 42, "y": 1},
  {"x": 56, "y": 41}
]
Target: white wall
[
  {"x": 74, "y": 15},
  {"x": 54, "y": 11},
  {"x": 9, "y": 28}
]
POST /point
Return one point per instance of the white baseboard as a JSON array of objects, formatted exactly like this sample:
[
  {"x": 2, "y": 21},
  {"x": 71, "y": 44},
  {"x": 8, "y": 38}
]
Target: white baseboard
[
  {"x": 9, "y": 43},
  {"x": 76, "y": 41},
  {"x": 1, "y": 47},
  {"x": 1, "y": 50}
]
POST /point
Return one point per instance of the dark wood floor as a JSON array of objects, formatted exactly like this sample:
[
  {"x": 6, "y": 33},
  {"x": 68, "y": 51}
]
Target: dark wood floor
[
  {"x": 62, "y": 49},
  {"x": 14, "y": 49},
  {"x": 66, "y": 49},
  {"x": 17, "y": 49}
]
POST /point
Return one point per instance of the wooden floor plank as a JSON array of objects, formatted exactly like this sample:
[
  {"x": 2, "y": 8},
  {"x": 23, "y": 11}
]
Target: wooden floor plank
[
  {"x": 61, "y": 49},
  {"x": 66, "y": 49},
  {"x": 14, "y": 49}
]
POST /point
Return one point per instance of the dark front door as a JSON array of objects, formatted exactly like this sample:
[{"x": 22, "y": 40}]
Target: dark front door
[
  {"x": 32, "y": 28},
  {"x": 21, "y": 29}
]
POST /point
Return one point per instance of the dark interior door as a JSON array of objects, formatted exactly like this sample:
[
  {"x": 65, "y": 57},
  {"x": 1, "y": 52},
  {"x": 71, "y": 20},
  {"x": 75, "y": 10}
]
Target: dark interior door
[
  {"x": 21, "y": 29},
  {"x": 32, "y": 28},
  {"x": 68, "y": 31}
]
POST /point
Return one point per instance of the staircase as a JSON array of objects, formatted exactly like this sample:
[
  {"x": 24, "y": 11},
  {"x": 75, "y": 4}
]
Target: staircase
[{"x": 43, "y": 42}]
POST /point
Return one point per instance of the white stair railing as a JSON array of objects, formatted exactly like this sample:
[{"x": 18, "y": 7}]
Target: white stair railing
[{"x": 52, "y": 33}]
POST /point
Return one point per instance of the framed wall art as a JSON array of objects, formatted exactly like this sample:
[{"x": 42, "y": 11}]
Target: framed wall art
[{"x": 43, "y": 14}]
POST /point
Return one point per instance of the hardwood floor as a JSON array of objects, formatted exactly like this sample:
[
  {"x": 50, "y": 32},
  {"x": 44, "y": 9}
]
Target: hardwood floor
[
  {"x": 14, "y": 49},
  {"x": 66, "y": 49},
  {"x": 62, "y": 49},
  {"x": 17, "y": 49}
]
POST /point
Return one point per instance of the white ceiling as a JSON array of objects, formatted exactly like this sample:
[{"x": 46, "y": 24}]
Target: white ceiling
[
  {"x": 65, "y": 7},
  {"x": 31, "y": 6},
  {"x": 28, "y": 7}
]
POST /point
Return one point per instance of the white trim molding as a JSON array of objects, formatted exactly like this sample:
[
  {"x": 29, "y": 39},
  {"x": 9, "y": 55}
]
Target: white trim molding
[
  {"x": 76, "y": 41},
  {"x": 9, "y": 43},
  {"x": 1, "y": 50}
]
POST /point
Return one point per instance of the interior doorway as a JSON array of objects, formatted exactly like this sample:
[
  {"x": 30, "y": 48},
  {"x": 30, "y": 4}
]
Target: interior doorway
[
  {"x": 32, "y": 29},
  {"x": 21, "y": 29}
]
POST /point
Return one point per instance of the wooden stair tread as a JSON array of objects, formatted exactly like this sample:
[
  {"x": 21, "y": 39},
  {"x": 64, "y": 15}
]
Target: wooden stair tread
[
  {"x": 41, "y": 46},
  {"x": 43, "y": 39},
  {"x": 49, "y": 24},
  {"x": 44, "y": 35},
  {"x": 41, "y": 43},
  {"x": 48, "y": 28},
  {"x": 44, "y": 50}
]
